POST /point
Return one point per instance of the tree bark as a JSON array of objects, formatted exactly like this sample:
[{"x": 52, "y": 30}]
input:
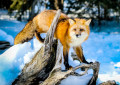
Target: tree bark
[
  {"x": 108, "y": 83},
  {"x": 43, "y": 62},
  {"x": 45, "y": 67},
  {"x": 56, "y": 4},
  {"x": 32, "y": 11}
]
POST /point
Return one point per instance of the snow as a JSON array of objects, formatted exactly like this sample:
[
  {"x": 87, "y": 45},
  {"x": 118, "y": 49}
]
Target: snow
[
  {"x": 103, "y": 47},
  {"x": 117, "y": 64},
  {"x": 106, "y": 77},
  {"x": 73, "y": 80},
  {"x": 11, "y": 27},
  {"x": 14, "y": 59},
  {"x": 6, "y": 37}
]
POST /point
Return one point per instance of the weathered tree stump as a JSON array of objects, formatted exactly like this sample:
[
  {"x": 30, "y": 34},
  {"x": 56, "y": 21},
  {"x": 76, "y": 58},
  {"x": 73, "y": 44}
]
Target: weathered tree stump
[
  {"x": 45, "y": 67},
  {"x": 43, "y": 62}
]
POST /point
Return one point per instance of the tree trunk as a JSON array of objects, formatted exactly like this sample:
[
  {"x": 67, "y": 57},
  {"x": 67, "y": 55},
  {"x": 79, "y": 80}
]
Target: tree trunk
[
  {"x": 105, "y": 13},
  {"x": 59, "y": 4},
  {"x": 99, "y": 17},
  {"x": 32, "y": 11},
  {"x": 56, "y": 4}
]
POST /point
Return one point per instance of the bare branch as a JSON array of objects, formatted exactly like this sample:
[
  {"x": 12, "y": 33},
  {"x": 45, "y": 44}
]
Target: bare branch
[
  {"x": 95, "y": 68},
  {"x": 57, "y": 75}
]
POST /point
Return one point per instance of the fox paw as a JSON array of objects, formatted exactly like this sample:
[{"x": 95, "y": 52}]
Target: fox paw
[{"x": 69, "y": 67}]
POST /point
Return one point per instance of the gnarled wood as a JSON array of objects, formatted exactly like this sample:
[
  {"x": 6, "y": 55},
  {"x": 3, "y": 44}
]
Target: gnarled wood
[
  {"x": 57, "y": 75},
  {"x": 109, "y": 83},
  {"x": 45, "y": 67},
  {"x": 43, "y": 62}
]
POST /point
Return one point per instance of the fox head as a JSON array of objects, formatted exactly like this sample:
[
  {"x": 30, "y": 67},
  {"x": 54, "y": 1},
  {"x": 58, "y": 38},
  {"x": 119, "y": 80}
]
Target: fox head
[{"x": 79, "y": 30}]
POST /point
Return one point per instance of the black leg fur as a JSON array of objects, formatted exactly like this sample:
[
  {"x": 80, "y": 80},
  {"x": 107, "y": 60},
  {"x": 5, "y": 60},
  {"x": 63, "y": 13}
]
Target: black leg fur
[
  {"x": 67, "y": 66},
  {"x": 39, "y": 37}
]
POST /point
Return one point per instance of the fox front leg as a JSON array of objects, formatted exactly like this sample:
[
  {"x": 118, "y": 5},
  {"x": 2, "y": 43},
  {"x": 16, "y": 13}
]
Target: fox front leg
[
  {"x": 80, "y": 55},
  {"x": 65, "y": 55}
]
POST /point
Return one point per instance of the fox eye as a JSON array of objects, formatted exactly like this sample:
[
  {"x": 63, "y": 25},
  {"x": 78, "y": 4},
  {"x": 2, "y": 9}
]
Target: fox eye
[
  {"x": 74, "y": 29},
  {"x": 81, "y": 29}
]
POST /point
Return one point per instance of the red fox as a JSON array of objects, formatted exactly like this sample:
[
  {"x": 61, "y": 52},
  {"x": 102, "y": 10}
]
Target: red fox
[{"x": 70, "y": 32}]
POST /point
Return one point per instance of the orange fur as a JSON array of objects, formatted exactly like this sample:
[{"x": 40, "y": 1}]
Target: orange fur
[{"x": 71, "y": 33}]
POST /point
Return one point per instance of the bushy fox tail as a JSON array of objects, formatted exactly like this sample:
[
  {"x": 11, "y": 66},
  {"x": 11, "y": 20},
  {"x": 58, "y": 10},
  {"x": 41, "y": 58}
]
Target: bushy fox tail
[{"x": 26, "y": 34}]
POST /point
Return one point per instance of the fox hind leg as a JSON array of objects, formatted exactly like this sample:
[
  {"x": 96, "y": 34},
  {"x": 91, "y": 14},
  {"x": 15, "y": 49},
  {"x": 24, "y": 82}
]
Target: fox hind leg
[
  {"x": 65, "y": 55},
  {"x": 37, "y": 35}
]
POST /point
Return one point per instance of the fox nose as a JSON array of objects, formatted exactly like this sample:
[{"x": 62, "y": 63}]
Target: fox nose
[{"x": 77, "y": 35}]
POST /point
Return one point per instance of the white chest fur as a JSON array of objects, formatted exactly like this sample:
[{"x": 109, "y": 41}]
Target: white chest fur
[{"x": 77, "y": 41}]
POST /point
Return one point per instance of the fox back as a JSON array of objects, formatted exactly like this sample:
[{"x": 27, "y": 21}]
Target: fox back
[
  {"x": 68, "y": 31},
  {"x": 40, "y": 24}
]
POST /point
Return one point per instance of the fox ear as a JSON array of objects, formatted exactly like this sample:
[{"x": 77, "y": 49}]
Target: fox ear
[
  {"x": 71, "y": 21},
  {"x": 88, "y": 22}
]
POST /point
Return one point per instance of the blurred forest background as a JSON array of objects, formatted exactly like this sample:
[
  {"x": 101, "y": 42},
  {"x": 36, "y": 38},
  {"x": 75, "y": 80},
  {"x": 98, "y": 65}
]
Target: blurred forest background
[
  {"x": 99, "y": 11},
  {"x": 103, "y": 44}
]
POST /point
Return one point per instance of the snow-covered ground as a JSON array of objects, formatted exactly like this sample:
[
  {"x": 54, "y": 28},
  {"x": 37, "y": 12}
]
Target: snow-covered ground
[
  {"x": 13, "y": 60},
  {"x": 9, "y": 29},
  {"x": 102, "y": 47}
]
